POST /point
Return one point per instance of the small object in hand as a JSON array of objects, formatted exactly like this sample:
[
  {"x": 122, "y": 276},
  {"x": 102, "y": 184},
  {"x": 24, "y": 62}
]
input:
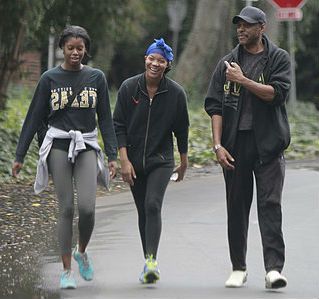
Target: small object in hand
[{"x": 174, "y": 176}]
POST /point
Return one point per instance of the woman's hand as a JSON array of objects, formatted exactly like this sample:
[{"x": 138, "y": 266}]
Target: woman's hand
[
  {"x": 128, "y": 172},
  {"x": 112, "y": 169},
  {"x": 16, "y": 167},
  {"x": 181, "y": 169}
]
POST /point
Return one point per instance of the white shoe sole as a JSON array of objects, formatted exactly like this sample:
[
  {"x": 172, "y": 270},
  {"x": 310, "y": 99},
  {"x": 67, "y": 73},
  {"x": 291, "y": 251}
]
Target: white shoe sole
[
  {"x": 277, "y": 284},
  {"x": 274, "y": 280}
]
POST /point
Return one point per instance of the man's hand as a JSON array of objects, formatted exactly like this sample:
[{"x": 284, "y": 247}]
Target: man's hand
[
  {"x": 234, "y": 72},
  {"x": 225, "y": 159},
  {"x": 16, "y": 167},
  {"x": 128, "y": 172}
]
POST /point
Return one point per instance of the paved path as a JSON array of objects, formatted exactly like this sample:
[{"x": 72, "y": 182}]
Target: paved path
[{"x": 193, "y": 253}]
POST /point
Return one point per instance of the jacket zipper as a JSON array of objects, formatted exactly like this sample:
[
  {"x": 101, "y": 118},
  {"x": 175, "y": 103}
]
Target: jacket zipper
[
  {"x": 148, "y": 123},
  {"x": 146, "y": 134}
]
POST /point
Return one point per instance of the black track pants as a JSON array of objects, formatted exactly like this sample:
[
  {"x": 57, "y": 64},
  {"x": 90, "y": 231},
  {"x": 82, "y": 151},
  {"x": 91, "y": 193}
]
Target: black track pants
[
  {"x": 148, "y": 192},
  {"x": 239, "y": 192}
]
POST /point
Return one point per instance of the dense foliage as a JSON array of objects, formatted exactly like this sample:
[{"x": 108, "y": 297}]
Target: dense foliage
[
  {"x": 307, "y": 70},
  {"x": 306, "y": 51},
  {"x": 122, "y": 29},
  {"x": 304, "y": 121}
]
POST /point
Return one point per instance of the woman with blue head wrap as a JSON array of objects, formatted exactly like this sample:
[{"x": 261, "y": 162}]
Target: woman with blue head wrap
[{"x": 151, "y": 108}]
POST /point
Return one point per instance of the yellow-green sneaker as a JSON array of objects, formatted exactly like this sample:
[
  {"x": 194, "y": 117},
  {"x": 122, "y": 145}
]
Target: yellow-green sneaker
[{"x": 151, "y": 272}]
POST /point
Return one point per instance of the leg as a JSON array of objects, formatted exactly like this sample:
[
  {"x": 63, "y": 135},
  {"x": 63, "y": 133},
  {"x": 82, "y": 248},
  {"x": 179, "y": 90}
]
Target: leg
[
  {"x": 157, "y": 182},
  {"x": 270, "y": 180},
  {"x": 239, "y": 193},
  {"x": 139, "y": 191},
  {"x": 85, "y": 176},
  {"x": 59, "y": 164}
]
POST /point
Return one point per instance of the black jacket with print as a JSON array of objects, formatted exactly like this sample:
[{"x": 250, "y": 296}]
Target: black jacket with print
[
  {"x": 270, "y": 122},
  {"x": 145, "y": 126}
]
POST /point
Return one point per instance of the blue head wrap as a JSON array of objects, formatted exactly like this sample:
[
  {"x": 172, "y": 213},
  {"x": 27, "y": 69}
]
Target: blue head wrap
[{"x": 160, "y": 47}]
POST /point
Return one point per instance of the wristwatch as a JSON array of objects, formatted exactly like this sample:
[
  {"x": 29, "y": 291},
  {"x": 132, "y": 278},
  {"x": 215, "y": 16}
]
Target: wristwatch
[{"x": 216, "y": 147}]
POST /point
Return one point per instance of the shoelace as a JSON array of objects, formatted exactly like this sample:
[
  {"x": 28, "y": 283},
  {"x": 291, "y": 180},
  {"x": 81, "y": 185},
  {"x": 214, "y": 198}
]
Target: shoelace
[
  {"x": 67, "y": 274},
  {"x": 150, "y": 262},
  {"x": 85, "y": 260}
]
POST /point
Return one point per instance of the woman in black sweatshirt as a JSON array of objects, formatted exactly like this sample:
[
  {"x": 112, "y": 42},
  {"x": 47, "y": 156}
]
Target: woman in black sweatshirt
[{"x": 68, "y": 98}]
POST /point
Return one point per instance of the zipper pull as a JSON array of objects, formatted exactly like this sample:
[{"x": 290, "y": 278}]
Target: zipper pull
[{"x": 151, "y": 100}]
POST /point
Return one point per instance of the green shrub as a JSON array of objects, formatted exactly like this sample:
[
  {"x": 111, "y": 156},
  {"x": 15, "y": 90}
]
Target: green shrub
[
  {"x": 304, "y": 125},
  {"x": 304, "y": 122},
  {"x": 11, "y": 121}
]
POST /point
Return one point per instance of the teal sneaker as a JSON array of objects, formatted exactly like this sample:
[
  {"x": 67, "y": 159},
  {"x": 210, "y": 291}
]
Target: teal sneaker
[
  {"x": 85, "y": 264},
  {"x": 67, "y": 280},
  {"x": 151, "y": 272}
]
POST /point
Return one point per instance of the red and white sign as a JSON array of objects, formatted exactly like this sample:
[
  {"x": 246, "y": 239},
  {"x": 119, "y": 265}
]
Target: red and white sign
[
  {"x": 288, "y": 3},
  {"x": 289, "y": 14},
  {"x": 288, "y": 10}
]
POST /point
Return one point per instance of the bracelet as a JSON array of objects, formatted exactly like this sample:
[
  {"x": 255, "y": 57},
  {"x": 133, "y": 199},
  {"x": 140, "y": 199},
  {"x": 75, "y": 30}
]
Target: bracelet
[{"x": 216, "y": 147}]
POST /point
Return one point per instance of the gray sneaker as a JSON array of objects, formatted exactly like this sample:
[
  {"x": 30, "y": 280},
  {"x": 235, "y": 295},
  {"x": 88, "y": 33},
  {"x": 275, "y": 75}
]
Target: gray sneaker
[
  {"x": 67, "y": 280},
  {"x": 85, "y": 264}
]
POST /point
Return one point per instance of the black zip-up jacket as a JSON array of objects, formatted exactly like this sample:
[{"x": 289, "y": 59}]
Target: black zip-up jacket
[
  {"x": 145, "y": 126},
  {"x": 270, "y": 121}
]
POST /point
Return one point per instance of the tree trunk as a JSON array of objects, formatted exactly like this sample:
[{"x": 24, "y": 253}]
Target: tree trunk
[
  {"x": 9, "y": 63},
  {"x": 273, "y": 26},
  {"x": 209, "y": 40}
]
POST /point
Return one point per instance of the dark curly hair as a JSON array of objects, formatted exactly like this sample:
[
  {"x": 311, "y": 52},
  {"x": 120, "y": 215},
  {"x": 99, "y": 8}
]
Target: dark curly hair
[
  {"x": 168, "y": 68},
  {"x": 77, "y": 32}
]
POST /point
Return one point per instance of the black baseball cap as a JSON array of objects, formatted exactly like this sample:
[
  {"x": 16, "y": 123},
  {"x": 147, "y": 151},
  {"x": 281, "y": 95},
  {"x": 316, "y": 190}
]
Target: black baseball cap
[{"x": 250, "y": 14}]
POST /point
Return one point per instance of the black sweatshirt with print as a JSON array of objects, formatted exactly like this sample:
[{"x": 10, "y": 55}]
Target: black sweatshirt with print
[{"x": 54, "y": 103}]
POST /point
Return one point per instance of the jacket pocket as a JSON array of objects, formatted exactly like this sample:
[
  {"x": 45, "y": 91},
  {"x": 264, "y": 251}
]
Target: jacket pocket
[{"x": 161, "y": 156}]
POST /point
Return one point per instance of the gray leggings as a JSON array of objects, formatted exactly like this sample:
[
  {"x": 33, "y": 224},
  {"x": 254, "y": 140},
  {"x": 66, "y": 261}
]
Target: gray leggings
[{"x": 84, "y": 173}]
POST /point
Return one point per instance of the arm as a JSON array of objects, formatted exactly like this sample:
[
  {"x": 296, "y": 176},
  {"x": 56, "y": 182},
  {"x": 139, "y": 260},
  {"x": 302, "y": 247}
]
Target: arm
[
  {"x": 16, "y": 167},
  {"x": 181, "y": 169},
  {"x": 213, "y": 107},
  {"x": 120, "y": 117},
  {"x": 106, "y": 125},
  {"x": 280, "y": 76},
  {"x": 276, "y": 91},
  {"x": 181, "y": 128},
  {"x": 223, "y": 156},
  {"x": 127, "y": 169},
  {"x": 214, "y": 97},
  {"x": 37, "y": 112},
  {"x": 262, "y": 91},
  {"x": 120, "y": 125}
]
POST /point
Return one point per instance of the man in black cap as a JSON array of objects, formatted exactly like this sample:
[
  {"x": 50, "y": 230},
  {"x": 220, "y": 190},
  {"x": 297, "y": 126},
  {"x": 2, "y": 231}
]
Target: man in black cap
[{"x": 246, "y": 102}]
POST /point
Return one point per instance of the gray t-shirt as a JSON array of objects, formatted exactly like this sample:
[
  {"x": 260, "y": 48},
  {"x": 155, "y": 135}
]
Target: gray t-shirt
[{"x": 248, "y": 65}]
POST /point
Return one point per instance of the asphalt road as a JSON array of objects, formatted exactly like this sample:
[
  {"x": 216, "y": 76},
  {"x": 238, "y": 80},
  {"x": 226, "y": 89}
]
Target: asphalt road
[{"x": 193, "y": 253}]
